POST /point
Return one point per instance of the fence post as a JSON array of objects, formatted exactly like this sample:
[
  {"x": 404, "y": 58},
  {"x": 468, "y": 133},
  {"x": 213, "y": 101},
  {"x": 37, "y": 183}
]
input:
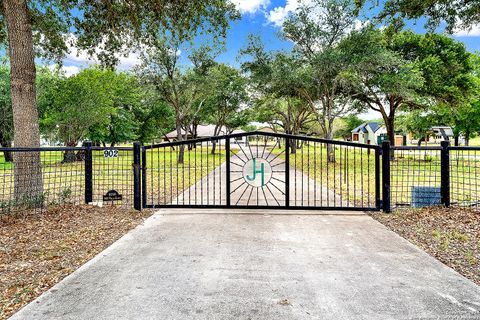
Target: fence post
[
  {"x": 88, "y": 172},
  {"x": 378, "y": 201},
  {"x": 445, "y": 173},
  {"x": 386, "y": 205},
  {"x": 144, "y": 177},
  {"x": 137, "y": 193},
  {"x": 227, "y": 175},
  {"x": 287, "y": 172}
]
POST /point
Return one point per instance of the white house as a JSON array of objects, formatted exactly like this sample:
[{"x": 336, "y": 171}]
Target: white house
[
  {"x": 206, "y": 131},
  {"x": 442, "y": 133},
  {"x": 369, "y": 133}
]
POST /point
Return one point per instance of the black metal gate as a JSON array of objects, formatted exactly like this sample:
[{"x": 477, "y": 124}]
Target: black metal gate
[{"x": 262, "y": 170}]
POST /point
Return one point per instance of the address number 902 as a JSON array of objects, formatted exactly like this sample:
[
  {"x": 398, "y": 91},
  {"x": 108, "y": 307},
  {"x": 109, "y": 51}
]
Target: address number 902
[{"x": 112, "y": 153}]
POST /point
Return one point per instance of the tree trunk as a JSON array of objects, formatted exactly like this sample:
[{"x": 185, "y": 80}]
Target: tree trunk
[
  {"x": 69, "y": 155},
  {"x": 27, "y": 166},
  {"x": 420, "y": 140},
  {"x": 467, "y": 137},
  {"x": 330, "y": 147},
  {"x": 389, "y": 124},
  {"x": 181, "y": 148},
  {"x": 214, "y": 143},
  {"x": 456, "y": 140}
]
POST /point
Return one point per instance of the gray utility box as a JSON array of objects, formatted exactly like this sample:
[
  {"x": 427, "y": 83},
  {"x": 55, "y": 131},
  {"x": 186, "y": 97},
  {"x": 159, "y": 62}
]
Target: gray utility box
[{"x": 426, "y": 196}]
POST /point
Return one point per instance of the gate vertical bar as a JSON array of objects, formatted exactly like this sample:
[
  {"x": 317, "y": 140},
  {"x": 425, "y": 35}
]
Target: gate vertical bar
[
  {"x": 386, "y": 176},
  {"x": 287, "y": 172},
  {"x": 227, "y": 175},
  {"x": 445, "y": 173},
  {"x": 88, "y": 172},
  {"x": 377, "y": 179},
  {"x": 137, "y": 204},
  {"x": 144, "y": 177}
]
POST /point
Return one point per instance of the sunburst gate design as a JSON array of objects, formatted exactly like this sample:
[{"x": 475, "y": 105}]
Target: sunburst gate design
[{"x": 258, "y": 172}]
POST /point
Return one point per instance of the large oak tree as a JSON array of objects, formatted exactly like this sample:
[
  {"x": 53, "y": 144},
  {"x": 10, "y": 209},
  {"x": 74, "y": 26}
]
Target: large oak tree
[
  {"x": 102, "y": 28},
  {"x": 400, "y": 71}
]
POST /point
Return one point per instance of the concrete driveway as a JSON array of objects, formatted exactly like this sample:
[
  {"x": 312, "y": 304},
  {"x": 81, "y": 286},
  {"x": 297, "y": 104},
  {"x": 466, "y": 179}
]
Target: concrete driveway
[{"x": 205, "y": 264}]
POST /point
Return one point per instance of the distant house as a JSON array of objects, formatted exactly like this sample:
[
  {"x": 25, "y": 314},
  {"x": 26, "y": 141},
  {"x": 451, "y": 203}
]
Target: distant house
[
  {"x": 265, "y": 129},
  {"x": 202, "y": 132},
  {"x": 205, "y": 131},
  {"x": 369, "y": 133},
  {"x": 442, "y": 134},
  {"x": 437, "y": 134}
]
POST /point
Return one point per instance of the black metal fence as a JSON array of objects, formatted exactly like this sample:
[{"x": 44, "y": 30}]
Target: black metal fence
[
  {"x": 438, "y": 175},
  {"x": 64, "y": 175},
  {"x": 260, "y": 170}
]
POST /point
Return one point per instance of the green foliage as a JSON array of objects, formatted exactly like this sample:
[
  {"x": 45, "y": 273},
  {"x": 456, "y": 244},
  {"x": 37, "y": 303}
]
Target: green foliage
[
  {"x": 47, "y": 80},
  {"x": 445, "y": 65},
  {"x": 392, "y": 72},
  {"x": 249, "y": 127},
  {"x": 417, "y": 122},
  {"x": 316, "y": 28},
  {"x": 125, "y": 95},
  {"x": 376, "y": 72},
  {"x": 154, "y": 115},
  {"x": 6, "y": 116},
  {"x": 457, "y": 14},
  {"x": 226, "y": 92},
  {"x": 318, "y": 25},
  {"x": 277, "y": 79},
  {"x": 183, "y": 89},
  {"x": 81, "y": 102}
]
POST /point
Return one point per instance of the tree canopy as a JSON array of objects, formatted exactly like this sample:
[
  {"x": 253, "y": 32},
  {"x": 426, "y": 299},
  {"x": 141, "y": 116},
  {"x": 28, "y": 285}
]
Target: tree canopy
[{"x": 462, "y": 14}]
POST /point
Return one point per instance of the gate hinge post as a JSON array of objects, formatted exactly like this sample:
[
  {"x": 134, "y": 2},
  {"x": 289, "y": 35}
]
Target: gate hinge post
[
  {"x": 137, "y": 190},
  {"x": 386, "y": 205},
  {"x": 445, "y": 173},
  {"x": 88, "y": 172}
]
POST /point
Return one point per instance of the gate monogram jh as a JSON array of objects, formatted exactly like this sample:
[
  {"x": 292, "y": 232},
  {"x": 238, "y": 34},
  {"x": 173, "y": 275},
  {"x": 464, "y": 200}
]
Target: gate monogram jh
[{"x": 255, "y": 171}]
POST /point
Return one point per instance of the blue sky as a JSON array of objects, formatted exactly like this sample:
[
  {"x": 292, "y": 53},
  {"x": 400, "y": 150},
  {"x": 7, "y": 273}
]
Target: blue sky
[{"x": 262, "y": 17}]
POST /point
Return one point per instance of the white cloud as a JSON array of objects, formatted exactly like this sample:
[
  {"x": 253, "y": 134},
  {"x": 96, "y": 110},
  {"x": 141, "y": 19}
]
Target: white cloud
[
  {"x": 68, "y": 70},
  {"x": 80, "y": 57},
  {"x": 251, "y": 6},
  {"x": 473, "y": 32},
  {"x": 278, "y": 15}
]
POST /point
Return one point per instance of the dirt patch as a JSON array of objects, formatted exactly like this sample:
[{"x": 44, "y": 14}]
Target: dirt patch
[
  {"x": 451, "y": 235},
  {"x": 37, "y": 251}
]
